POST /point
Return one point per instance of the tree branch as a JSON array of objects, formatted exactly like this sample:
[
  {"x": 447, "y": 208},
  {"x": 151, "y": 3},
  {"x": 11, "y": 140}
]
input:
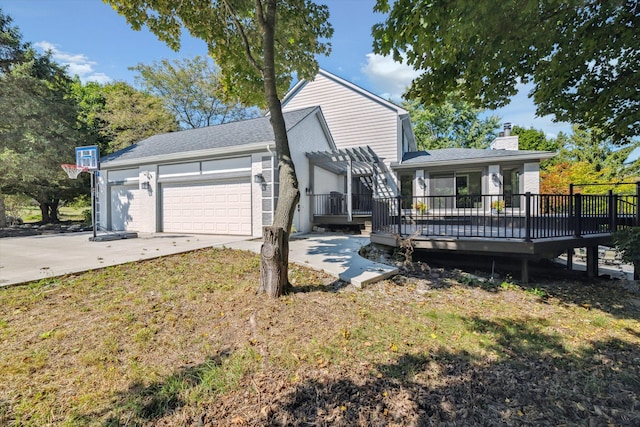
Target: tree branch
[{"x": 243, "y": 36}]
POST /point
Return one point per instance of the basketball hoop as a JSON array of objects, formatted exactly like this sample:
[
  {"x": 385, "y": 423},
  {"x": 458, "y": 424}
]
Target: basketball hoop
[{"x": 73, "y": 170}]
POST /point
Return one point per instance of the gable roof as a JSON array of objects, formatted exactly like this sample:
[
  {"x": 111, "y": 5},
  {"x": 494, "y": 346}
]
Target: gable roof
[
  {"x": 302, "y": 83},
  {"x": 356, "y": 116},
  {"x": 467, "y": 156},
  {"x": 242, "y": 136}
]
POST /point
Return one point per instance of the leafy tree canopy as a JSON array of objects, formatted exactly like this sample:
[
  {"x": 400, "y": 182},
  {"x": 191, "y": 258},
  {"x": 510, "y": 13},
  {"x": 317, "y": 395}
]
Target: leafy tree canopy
[
  {"x": 534, "y": 139},
  {"x": 12, "y": 49},
  {"x": 583, "y": 56},
  {"x": 454, "y": 124},
  {"x": 235, "y": 38},
  {"x": 191, "y": 89},
  {"x": 38, "y": 132},
  {"x": 130, "y": 116}
]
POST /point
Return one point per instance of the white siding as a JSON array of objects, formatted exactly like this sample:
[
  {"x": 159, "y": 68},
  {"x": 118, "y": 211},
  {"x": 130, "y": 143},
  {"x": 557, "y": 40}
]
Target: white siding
[
  {"x": 530, "y": 178},
  {"x": 306, "y": 137},
  {"x": 354, "y": 118}
]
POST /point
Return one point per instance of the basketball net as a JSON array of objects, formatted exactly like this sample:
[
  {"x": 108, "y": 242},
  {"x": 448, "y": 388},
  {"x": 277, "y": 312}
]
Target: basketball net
[{"x": 73, "y": 170}]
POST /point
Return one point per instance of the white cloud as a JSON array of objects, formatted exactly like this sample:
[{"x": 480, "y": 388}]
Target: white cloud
[
  {"x": 389, "y": 77},
  {"x": 76, "y": 63}
]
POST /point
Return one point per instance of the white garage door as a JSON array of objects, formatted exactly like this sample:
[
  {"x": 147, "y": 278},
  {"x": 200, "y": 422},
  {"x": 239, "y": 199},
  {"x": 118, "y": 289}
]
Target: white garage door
[
  {"x": 125, "y": 207},
  {"x": 215, "y": 208}
]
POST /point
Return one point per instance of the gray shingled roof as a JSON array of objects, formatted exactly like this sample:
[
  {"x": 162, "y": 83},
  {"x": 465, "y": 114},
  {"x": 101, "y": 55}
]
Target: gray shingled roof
[
  {"x": 232, "y": 134},
  {"x": 452, "y": 154}
]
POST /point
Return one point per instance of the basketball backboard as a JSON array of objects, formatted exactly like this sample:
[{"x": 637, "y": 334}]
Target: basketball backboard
[{"x": 88, "y": 157}]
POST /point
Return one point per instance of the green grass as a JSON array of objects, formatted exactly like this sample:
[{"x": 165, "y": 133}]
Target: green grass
[
  {"x": 170, "y": 339},
  {"x": 66, "y": 213}
]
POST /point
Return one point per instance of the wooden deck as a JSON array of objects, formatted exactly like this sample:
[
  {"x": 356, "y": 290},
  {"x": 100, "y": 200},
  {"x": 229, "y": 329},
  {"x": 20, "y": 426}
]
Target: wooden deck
[{"x": 542, "y": 226}]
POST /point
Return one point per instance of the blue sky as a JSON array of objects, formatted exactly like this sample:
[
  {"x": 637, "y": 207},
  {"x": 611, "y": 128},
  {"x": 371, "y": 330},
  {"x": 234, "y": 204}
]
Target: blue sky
[{"x": 97, "y": 44}]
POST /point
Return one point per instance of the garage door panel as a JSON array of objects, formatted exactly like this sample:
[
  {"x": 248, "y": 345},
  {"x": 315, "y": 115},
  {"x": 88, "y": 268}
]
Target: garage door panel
[{"x": 216, "y": 208}]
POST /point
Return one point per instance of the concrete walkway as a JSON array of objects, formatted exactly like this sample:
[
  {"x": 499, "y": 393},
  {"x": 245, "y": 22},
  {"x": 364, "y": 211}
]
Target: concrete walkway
[
  {"x": 25, "y": 259},
  {"x": 335, "y": 254}
]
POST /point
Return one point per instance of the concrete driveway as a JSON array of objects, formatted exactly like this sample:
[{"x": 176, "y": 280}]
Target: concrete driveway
[{"x": 25, "y": 259}]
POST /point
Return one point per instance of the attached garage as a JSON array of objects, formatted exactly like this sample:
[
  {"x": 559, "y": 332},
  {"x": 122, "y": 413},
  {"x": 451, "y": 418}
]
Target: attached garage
[
  {"x": 216, "y": 180},
  {"x": 217, "y": 207},
  {"x": 125, "y": 208}
]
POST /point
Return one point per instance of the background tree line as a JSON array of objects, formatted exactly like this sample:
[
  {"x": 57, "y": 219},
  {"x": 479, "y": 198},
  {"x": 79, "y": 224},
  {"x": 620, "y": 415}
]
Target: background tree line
[{"x": 47, "y": 113}]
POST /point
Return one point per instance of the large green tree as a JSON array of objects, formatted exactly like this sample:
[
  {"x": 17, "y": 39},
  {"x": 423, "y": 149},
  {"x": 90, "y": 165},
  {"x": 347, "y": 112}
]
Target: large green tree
[
  {"x": 582, "y": 56},
  {"x": 118, "y": 115},
  {"x": 38, "y": 132},
  {"x": 259, "y": 45},
  {"x": 454, "y": 124},
  {"x": 192, "y": 90},
  {"x": 38, "y": 126},
  {"x": 130, "y": 116}
]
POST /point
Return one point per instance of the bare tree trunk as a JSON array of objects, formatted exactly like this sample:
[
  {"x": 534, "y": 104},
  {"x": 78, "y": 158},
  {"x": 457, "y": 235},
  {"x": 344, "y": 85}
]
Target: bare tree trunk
[
  {"x": 273, "y": 274},
  {"x": 275, "y": 249}
]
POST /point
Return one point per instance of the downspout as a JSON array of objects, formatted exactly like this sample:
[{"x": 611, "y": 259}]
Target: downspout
[
  {"x": 273, "y": 181},
  {"x": 349, "y": 191}
]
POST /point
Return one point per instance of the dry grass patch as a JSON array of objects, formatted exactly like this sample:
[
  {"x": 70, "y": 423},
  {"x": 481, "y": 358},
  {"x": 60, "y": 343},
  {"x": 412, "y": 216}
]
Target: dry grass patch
[{"x": 184, "y": 340}]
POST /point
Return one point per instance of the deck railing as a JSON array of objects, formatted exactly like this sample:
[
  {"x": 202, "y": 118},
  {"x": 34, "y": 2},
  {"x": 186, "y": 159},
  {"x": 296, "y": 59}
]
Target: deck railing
[
  {"x": 335, "y": 204},
  {"x": 518, "y": 216}
]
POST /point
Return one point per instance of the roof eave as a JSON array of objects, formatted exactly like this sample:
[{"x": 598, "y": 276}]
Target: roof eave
[
  {"x": 189, "y": 155},
  {"x": 483, "y": 160}
]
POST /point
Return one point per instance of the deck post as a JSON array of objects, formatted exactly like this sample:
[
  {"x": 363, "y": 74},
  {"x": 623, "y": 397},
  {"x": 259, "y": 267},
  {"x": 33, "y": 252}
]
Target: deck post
[
  {"x": 525, "y": 271},
  {"x": 399, "y": 207},
  {"x": 578, "y": 215},
  {"x": 527, "y": 216},
  {"x": 570, "y": 259},
  {"x": 592, "y": 262},
  {"x": 613, "y": 214}
]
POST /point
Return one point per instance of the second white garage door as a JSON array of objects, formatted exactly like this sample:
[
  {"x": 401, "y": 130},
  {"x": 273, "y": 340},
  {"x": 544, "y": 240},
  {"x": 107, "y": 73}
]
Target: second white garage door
[
  {"x": 125, "y": 208},
  {"x": 213, "y": 208}
]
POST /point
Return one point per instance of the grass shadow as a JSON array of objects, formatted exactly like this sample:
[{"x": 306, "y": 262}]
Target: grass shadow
[
  {"x": 534, "y": 380},
  {"x": 142, "y": 403}
]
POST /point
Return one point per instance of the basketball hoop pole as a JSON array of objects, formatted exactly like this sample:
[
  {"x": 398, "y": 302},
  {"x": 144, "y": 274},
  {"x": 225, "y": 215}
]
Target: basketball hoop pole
[
  {"x": 93, "y": 203},
  {"x": 87, "y": 160}
]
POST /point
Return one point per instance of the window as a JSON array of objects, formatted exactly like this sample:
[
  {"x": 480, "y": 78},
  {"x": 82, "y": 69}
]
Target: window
[
  {"x": 511, "y": 188},
  {"x": 466, "y": 187},
  {"x": 441, "y": 188},
  {"x": 406, "y": 191},
  {"x": 469, "y": 190}
]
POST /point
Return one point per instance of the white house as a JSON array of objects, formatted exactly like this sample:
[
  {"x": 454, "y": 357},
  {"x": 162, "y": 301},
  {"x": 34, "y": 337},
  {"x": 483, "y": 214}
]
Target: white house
[{"x": 349, "y": 147}]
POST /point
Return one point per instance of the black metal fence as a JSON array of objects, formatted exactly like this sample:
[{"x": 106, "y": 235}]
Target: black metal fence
[
  {"x": 522, "y": 216},
  {"x": 335, "y": 204}
]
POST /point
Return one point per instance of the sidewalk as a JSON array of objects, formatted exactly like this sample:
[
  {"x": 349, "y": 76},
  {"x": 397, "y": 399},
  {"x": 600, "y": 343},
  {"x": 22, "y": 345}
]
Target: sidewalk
[
  {"x": 335, "y": 254},
  {"x": 25, "y": 259}
]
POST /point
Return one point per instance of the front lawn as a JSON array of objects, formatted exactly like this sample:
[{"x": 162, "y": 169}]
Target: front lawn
[{"x": 184, "y": 340}]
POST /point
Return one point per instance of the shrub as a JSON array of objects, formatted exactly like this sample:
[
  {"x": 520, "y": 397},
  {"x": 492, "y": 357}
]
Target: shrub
[
  {"x": 497, "y": 205},
  {"x": 86, "y": 216},
  {"x": 420, "y": 207},
  {"x": 627, "y": 242}
]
